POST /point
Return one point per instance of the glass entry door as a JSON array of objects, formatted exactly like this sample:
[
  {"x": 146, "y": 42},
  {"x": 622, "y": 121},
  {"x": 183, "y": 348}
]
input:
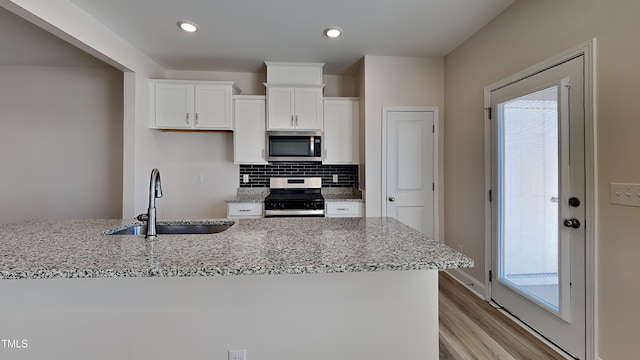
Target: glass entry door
[{"x": 537, "y": 210}]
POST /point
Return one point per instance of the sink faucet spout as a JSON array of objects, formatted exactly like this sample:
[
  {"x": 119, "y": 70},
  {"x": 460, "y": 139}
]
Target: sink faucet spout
[{"x": 155, "y": 191}]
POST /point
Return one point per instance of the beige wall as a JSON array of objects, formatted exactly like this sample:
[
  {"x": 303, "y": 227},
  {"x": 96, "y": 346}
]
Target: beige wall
[
  {"x": 60, "y": 142},
  {"x": 526, "y": 33},
  {"x": 395, "y": 81}
]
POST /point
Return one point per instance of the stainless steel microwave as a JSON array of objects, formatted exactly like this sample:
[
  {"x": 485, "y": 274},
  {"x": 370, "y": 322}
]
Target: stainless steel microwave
[{"x": 294, "y": 146}]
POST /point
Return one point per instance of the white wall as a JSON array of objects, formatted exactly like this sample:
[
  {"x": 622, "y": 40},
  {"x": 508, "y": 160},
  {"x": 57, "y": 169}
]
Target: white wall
[
  {"x": 395, "y": 81},
  {"x": 373, "y": 316},
  {"x": 526, "y": 33},
  {"x": 60, "y": 142}
]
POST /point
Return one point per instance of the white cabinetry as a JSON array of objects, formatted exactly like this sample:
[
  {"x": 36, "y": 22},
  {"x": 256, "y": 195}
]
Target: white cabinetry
[
  {"x": 196, "y": 105},
  {"x": 245, "y": 210},
  {"x": 294, "y": 107},
  {"x": 341, "y": 131},
  {"x": 249, "y": 134},
  {"x": 343, "y": 209}
]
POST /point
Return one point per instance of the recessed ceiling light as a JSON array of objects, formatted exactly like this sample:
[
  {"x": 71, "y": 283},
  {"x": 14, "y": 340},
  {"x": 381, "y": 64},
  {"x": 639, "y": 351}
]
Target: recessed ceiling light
[
  {"x": 188, "y": 26},
  {"x": 333, "y": 32}
]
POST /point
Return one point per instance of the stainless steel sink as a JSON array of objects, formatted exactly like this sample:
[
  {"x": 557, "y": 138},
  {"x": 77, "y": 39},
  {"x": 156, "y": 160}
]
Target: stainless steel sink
[{"x": 174, "y": 229}]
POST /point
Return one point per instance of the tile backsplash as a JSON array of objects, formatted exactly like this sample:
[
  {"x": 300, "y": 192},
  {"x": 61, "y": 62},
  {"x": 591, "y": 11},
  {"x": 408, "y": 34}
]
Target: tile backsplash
[{"x": 259, "y": 174}]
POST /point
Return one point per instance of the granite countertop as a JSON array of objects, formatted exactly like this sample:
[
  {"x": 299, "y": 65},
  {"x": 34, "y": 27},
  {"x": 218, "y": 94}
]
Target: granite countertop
[
  {"x": 342, "y": 197},
  {"x": 78, "y": 249},
  {"x": 250, "y": 195}
]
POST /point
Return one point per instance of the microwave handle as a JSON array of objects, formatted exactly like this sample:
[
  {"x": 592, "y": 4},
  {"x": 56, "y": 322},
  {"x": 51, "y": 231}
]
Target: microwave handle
[{"x": 312, "y": 145}]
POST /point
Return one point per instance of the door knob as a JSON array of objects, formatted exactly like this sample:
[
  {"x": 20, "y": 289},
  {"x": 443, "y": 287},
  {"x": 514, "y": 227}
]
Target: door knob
[
  {"x": 572, "y": 223},
  {"x": 392, "y": 199}
]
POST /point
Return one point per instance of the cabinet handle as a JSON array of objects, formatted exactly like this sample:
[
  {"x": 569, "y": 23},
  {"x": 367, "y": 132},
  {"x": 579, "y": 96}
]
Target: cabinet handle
[
  {"x": 187, "y": 118},
  {"x": 296, "y": 120},
  {"x": 342, "y": 209},
  {"x": 244, "y": 210},
  {"x": 262, "y": 154},
  {"x": 325, "y": 154},
  {"x": 197, "y": 119},
  {"x": 291, "y": 119}
]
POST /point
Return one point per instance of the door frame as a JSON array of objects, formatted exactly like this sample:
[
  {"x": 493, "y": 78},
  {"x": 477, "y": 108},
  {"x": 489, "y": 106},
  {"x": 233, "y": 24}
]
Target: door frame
[
  {"x": 435, "y": 163},
  {"x": 588, "y": 50}
]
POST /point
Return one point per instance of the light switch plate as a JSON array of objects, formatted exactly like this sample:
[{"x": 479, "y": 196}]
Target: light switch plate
[
  {"x": 238, "y": 354},
  {"x": 625, "y": 194}
]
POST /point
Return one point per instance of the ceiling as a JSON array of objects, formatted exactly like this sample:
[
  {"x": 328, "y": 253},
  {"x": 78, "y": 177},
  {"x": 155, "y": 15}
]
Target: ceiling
[{"x": 239, "y": 35}]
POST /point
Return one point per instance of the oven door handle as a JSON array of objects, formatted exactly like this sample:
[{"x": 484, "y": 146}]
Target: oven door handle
[{"x": 319, "y": 212}]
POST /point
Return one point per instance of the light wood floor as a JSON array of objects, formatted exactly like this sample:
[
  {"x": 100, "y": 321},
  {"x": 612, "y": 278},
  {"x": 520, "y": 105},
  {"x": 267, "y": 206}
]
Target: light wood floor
[{"x": 470, "y": 328}]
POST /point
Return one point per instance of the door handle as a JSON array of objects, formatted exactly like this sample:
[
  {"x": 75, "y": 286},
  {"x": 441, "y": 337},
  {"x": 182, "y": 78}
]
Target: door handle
[
  {"x": 392, "y": 199},
  {"x": 572, "y": 223}
]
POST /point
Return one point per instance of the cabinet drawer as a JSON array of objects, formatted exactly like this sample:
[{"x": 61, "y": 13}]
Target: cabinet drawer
[
  {"x": 244, "y": 210},
  {"x": 346, "y": 209}
]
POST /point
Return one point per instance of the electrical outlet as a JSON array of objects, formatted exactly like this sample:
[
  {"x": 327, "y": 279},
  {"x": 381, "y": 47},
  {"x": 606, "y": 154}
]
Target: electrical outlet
[
  {"x": 625, "y": 194},
  {"x": 200, "y": 179},
  {"x": 238, "y": 354},
  {"x": 335, "y": 178},
  {"x": 460, "y": 248},
  {"x": 245, "y": 178}
]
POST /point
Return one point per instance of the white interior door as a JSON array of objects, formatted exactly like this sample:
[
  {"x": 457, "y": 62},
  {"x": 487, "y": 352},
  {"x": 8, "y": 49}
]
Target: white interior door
[
  {"x": 410, "y": 169},
  {"x": 538, "y": 212}
]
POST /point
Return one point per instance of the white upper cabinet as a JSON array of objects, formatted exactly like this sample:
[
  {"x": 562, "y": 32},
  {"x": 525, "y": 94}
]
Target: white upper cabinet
[
  {"x": 341, "y": 134},
  {"x": 249, "y": 136},
  {"x": 294, "y": 96},
  {"x": 196, "y": 105},
  {"x": 294, "y": 108}
]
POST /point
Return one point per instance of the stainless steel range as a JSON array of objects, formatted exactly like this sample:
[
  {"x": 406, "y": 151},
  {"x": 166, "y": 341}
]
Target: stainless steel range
[{"x": 290, "y": 197}]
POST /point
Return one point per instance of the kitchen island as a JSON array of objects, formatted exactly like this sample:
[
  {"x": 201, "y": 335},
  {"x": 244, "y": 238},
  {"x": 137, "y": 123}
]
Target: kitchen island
[{"x": 311, "y": 288}]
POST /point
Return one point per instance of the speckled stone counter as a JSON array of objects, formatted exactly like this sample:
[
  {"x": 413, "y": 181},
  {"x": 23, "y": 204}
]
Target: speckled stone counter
[
  {"x": 79, "y": 249},
  {"x": 250, "y": 195},
  {"x": 342, "y": 194}
]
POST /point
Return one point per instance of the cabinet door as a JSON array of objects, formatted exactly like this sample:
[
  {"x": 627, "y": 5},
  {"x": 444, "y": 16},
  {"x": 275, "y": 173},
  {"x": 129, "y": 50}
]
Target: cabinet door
[
  {"x": 213, "y": 107},
  {"x": 341, "y": 132},
  {"x": 308, "y": 108},
  {"x": 173, "y": 106},
  {"x": 249, "y": 135},
  {"x": 280, "y": 102}
]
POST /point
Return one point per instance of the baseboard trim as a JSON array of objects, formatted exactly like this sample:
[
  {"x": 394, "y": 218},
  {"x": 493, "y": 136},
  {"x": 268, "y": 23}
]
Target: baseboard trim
[{"x": 468, "y": 281}]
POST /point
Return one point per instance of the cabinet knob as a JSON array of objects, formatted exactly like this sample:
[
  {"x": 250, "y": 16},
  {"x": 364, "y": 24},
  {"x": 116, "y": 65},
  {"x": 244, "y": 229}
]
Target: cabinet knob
[{"x": 392, "y": 199}]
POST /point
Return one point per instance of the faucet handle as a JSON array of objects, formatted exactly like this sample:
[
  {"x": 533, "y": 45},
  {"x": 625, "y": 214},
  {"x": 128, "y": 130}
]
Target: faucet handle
[{"x": 143, "y": 217}]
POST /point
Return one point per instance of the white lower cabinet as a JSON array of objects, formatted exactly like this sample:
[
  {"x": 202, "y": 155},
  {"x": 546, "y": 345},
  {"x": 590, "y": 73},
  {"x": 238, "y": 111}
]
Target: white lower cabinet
[
  {"x": 249, "y": 135},
  {"x": 344, "y": 209},
  {"x": 245, "y": 210}
]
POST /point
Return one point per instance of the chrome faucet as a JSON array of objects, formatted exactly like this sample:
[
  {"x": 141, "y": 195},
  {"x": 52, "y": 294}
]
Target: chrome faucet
[{"x": 155, "y": 191}]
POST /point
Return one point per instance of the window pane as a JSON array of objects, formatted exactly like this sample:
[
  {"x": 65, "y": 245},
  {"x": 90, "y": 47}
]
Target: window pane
[{"x": 528, "y": 158}]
